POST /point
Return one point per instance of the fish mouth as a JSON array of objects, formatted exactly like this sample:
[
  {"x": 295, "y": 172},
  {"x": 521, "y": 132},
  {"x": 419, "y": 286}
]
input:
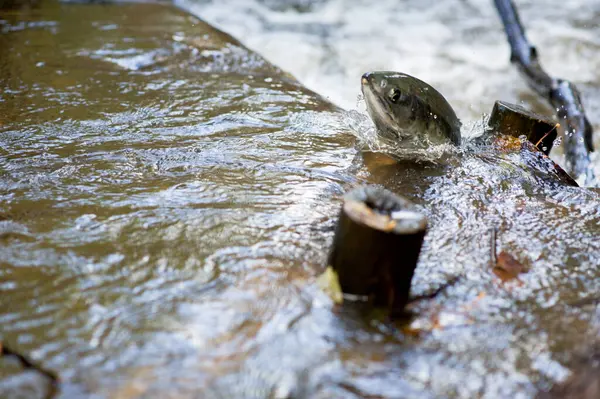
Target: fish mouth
[
  {"x": 389, "y": 129},
  {"x": 378, "y": 110}
]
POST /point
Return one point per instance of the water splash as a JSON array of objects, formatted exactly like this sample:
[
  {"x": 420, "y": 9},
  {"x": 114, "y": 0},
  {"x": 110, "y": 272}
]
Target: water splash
[{"x": 368, "y": 139}]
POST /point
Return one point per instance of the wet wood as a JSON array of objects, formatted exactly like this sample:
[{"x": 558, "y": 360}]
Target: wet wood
[
  {"x": 541, "y": 164},
  {"x": 516, "y": 121},
  {"x": 562, "y": 95},
  {"x": 584, "y": 382},
  {"x": 376, "y": 246},
  {"x": 531, "y": 155},
  {"x": 15, "y": 4}
]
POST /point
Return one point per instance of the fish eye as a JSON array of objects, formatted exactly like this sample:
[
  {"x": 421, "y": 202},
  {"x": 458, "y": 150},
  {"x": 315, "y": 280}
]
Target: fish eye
[{"x": 394, "y": 95}]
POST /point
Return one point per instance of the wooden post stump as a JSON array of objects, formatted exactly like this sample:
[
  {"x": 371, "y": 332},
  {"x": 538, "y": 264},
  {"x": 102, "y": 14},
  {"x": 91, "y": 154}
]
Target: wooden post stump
[
  {"x": 377, "y": 243},
  {"x": 514, "y": 120}
]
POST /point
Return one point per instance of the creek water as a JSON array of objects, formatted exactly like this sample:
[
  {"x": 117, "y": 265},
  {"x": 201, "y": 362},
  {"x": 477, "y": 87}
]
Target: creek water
[
  {"x": 168, "y": 197},
  {"x": 457, "y": 46}
]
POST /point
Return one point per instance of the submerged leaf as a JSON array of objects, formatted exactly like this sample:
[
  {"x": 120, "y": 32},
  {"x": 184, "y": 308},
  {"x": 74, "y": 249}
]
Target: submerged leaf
[{"x": 507, "y": 267}]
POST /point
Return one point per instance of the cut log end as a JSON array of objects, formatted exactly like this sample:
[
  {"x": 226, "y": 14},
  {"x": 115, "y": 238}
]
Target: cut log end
[
  {"x": 381, "y": 210},
  {"x": 514, "y": 120},
  {"x": 376, "y": 246}
]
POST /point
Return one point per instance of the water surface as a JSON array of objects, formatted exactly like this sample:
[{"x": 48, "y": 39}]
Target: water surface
[
  {"x": 457, "y": 46},
  {"x": 167, "y": 200}
]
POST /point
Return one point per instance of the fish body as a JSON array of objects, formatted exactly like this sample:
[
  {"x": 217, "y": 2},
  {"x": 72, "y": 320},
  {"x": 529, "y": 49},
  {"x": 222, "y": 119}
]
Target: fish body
[{"x": 409, "y": 112}]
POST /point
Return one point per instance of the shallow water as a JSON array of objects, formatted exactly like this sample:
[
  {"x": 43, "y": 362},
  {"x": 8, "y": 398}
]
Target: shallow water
[{"x": 167, "y": 199}]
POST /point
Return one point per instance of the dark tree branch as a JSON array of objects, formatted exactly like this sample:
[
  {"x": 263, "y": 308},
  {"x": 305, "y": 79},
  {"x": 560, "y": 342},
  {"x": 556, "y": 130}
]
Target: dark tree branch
[{"x": 562, "y": 95}]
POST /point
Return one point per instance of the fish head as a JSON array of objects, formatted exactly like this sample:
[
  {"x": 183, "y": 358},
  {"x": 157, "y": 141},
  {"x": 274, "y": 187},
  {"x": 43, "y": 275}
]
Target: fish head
[
  {"x": 408, "y": 111},
  {"x": 389, "y": 102}
]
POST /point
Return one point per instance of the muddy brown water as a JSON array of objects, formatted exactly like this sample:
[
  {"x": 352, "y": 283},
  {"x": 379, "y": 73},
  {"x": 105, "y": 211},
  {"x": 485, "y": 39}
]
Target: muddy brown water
[{"x": 167, "y": 199}]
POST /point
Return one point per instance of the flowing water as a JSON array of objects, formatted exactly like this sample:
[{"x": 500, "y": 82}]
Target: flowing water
[
  {"x": 457, "y": 46},
  {"x": 167, "y": 200}
]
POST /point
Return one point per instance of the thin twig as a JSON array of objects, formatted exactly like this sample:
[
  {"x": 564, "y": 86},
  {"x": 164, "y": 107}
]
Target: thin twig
[
  {"x": 436, "y": 292},
  {"x": 28, "y": 364},
  {"x": 493, "y": 248},
  {"x": 562, "y": 95},
  {"x": 546, "y": 135}
]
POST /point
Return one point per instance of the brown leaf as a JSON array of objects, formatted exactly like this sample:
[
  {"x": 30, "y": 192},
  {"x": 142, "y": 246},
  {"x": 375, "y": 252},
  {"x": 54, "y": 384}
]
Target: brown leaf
[{"x": 507, "y": 267}]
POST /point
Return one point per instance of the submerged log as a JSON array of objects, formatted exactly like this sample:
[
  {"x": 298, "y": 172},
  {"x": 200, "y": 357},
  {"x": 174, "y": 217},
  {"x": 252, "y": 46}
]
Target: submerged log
[
  {"x": 377, "y": 243},
  {"x": 539, "y": 163},
  {"x": 514, "y": 120},
  {"x": 562, "y": 95},
  {"x": 532, "y": 156},
  {"x": 584, "y": 382}
]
